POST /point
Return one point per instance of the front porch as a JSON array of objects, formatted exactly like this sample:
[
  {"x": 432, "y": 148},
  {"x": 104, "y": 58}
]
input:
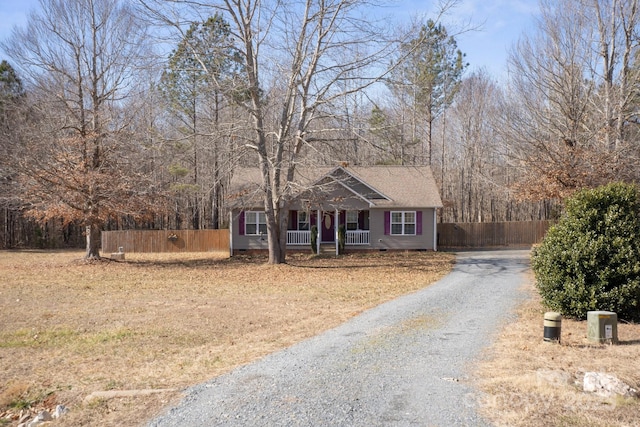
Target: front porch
[
  {"x": 303, "y": 238},
  {"x": 328, "y": 223}
]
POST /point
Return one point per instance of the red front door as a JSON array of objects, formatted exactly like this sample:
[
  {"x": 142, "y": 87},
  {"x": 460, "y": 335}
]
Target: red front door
[{"x": 328, "y": 227}]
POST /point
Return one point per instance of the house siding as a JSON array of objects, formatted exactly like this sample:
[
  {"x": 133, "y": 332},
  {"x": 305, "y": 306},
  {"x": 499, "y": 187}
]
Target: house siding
[
  {"x": 381, "y": 241},
  {"x": 378, "y": 239},
  {"x": 242, "y": 242}
]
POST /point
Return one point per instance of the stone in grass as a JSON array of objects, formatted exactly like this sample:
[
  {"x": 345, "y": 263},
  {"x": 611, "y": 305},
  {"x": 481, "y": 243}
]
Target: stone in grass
[
  {"x": 606, "y": 385},
  {"x": 41, "y": 418},
  {"x": 554, "y": 377},
  {"x": 59, "y": 411}
]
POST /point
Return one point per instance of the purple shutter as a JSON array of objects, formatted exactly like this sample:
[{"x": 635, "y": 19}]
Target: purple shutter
[
  {"x": 241, "y": 224},
  {"x": 343, "y": 218},
  {"x": 419, "y": 223},
  {"x": 313, "y": 219},
  {"x": 387, "y": 222},
  {"x": 293, "y": 220},
  {"x": 361, "y": 220}
]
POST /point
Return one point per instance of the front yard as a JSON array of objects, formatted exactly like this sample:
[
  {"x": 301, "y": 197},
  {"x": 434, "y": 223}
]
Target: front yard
[{"x": 164, "y": 322}]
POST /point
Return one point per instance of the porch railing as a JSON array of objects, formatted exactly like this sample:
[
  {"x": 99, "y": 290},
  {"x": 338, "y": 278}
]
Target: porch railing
[
  {"x": 353, "y": 238},
  {"x": 295, "y": 237},
  {"x": 357, "y": 237}
]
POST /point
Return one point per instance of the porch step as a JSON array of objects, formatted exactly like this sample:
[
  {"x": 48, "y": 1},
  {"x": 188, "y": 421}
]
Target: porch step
[{"x": 328, "y": 248}]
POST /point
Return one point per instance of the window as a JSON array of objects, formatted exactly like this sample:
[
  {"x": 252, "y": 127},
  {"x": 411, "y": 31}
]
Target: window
[
  {"x": 255, "y": 223},
  {"x": 352, "y": 220},
  {"x": 403, "y": 223},
  {"x": 303, "y": 220}
]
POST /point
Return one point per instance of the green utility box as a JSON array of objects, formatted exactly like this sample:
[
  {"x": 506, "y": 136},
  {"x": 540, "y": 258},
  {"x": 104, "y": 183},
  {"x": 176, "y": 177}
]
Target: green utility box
[{"x": 602, "y": 327}]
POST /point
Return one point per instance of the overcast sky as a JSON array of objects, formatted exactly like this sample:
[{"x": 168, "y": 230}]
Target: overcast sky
[{"x": 502, "y": 22}]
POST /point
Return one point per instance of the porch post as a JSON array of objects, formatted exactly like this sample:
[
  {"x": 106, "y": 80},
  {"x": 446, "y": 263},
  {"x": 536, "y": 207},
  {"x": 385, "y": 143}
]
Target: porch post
[
  {"x": 336, "y": 219},
  {"x": 435, "y": 230},
  {"x": 319, "y": 239}
]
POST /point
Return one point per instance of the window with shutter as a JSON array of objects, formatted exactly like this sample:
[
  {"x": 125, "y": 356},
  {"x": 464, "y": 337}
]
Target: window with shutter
[{"x": 402, "y": 223}]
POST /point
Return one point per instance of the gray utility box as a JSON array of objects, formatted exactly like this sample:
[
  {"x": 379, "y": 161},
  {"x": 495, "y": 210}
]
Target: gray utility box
[{"x": 602, "y": 327}]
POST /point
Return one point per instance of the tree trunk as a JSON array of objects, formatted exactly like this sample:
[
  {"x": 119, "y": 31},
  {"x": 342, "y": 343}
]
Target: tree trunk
[
  {"x": 277, "y": 237},
  {"x": 92, "y": 232},
  {"x": 215, "y": 203}
]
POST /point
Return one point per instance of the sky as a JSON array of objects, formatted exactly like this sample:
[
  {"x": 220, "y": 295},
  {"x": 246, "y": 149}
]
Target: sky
[{"x": 500, "y": 22}]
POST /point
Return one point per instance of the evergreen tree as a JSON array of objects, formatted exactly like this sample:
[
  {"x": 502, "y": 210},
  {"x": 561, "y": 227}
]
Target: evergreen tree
[
  {"x": 11, "y": 97},
  {"x": 202, "y": 71},
  {"x": 427, "y": 76}
]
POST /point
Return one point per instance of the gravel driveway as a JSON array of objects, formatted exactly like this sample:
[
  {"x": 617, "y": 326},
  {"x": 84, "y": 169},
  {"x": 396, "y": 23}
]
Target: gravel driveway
[{"x": 404, "y": 363}]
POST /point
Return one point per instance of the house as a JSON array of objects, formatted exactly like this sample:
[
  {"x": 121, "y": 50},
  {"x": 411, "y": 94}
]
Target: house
[{"x": 381, "y": 208}]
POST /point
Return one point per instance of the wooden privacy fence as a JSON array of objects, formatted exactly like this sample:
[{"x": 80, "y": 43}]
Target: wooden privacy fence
[
  {"x": 166, "y": 240},
  {"x": 450, "y": 235},
  {"x": 488, "y": 234}
]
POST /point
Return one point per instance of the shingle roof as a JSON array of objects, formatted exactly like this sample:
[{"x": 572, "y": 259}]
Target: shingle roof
[
  {"x": 406, "y": 186},
  {"x": 403, "y": 186}
]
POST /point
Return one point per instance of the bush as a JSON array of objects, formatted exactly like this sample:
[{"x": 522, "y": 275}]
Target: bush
[
  {"x": 590, "y": 260},
  {"x": 314, "y": 239},
  {"x": 342, "y": 238}
]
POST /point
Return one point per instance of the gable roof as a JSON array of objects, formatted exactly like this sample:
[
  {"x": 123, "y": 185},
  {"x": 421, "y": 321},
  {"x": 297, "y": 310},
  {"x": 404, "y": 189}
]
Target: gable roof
[
  {"x": 406, "y": 186},
  {"x": 381, "y": 186},
  {"x": 354, "y": 184}
]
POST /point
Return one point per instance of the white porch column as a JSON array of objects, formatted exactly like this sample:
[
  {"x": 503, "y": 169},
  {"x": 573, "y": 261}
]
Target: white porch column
[
  {"x": 336, "y": 218},
  {"x": 319, "y": 239}
]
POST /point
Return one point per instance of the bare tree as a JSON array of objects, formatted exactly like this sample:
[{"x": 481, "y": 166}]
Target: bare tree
[
  {"x": 617, "y": 24},
  {"x": 79, "y": 58},
  {"x": 570, "y": 97},
  {"x": 296, "y": 58},
  {"x": 473, "y": 156}
]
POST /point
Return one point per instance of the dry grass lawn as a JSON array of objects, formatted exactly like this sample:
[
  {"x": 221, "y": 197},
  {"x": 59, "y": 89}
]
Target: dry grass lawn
[
  {"x": 518, "y": 396},
  {"x": 68, "y": 329}
]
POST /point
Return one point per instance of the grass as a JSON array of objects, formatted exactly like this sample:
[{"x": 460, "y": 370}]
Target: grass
[
  {"x": 517, "y": 396},
  {"x": 168, "y": 321}
]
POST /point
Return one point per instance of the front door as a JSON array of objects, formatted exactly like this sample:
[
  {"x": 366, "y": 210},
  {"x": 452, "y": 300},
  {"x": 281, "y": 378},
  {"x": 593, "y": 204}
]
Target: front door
[{"x": 328, "y": 227}]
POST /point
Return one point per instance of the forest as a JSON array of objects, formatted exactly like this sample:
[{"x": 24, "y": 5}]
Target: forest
[{"x": 119, "y": 114}]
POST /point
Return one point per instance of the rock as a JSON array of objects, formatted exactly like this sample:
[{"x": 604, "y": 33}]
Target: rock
[
  {"x": 606, "y": 385},
  {"x": 554, "y": 377},
  {"x": 60, "y": 411},
  {"x": 41, "y": 418}
]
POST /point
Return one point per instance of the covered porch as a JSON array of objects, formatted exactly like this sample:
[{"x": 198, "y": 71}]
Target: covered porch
[{"x": 355, "y": 222}]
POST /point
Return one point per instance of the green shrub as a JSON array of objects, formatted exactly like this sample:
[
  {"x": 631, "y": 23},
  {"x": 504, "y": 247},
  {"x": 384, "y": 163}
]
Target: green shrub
[
  {"x": 342, "y": 238},
  {"x": 314, "y": 239},
  {"x": 590, "y": 260}
]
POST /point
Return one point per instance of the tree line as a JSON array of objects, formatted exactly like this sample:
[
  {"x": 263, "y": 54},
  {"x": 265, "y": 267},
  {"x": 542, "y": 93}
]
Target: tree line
[{"x": 134, "y": 114}]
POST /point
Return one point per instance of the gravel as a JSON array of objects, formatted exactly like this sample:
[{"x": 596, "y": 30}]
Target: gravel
[{"x": 403, "y": 363}]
